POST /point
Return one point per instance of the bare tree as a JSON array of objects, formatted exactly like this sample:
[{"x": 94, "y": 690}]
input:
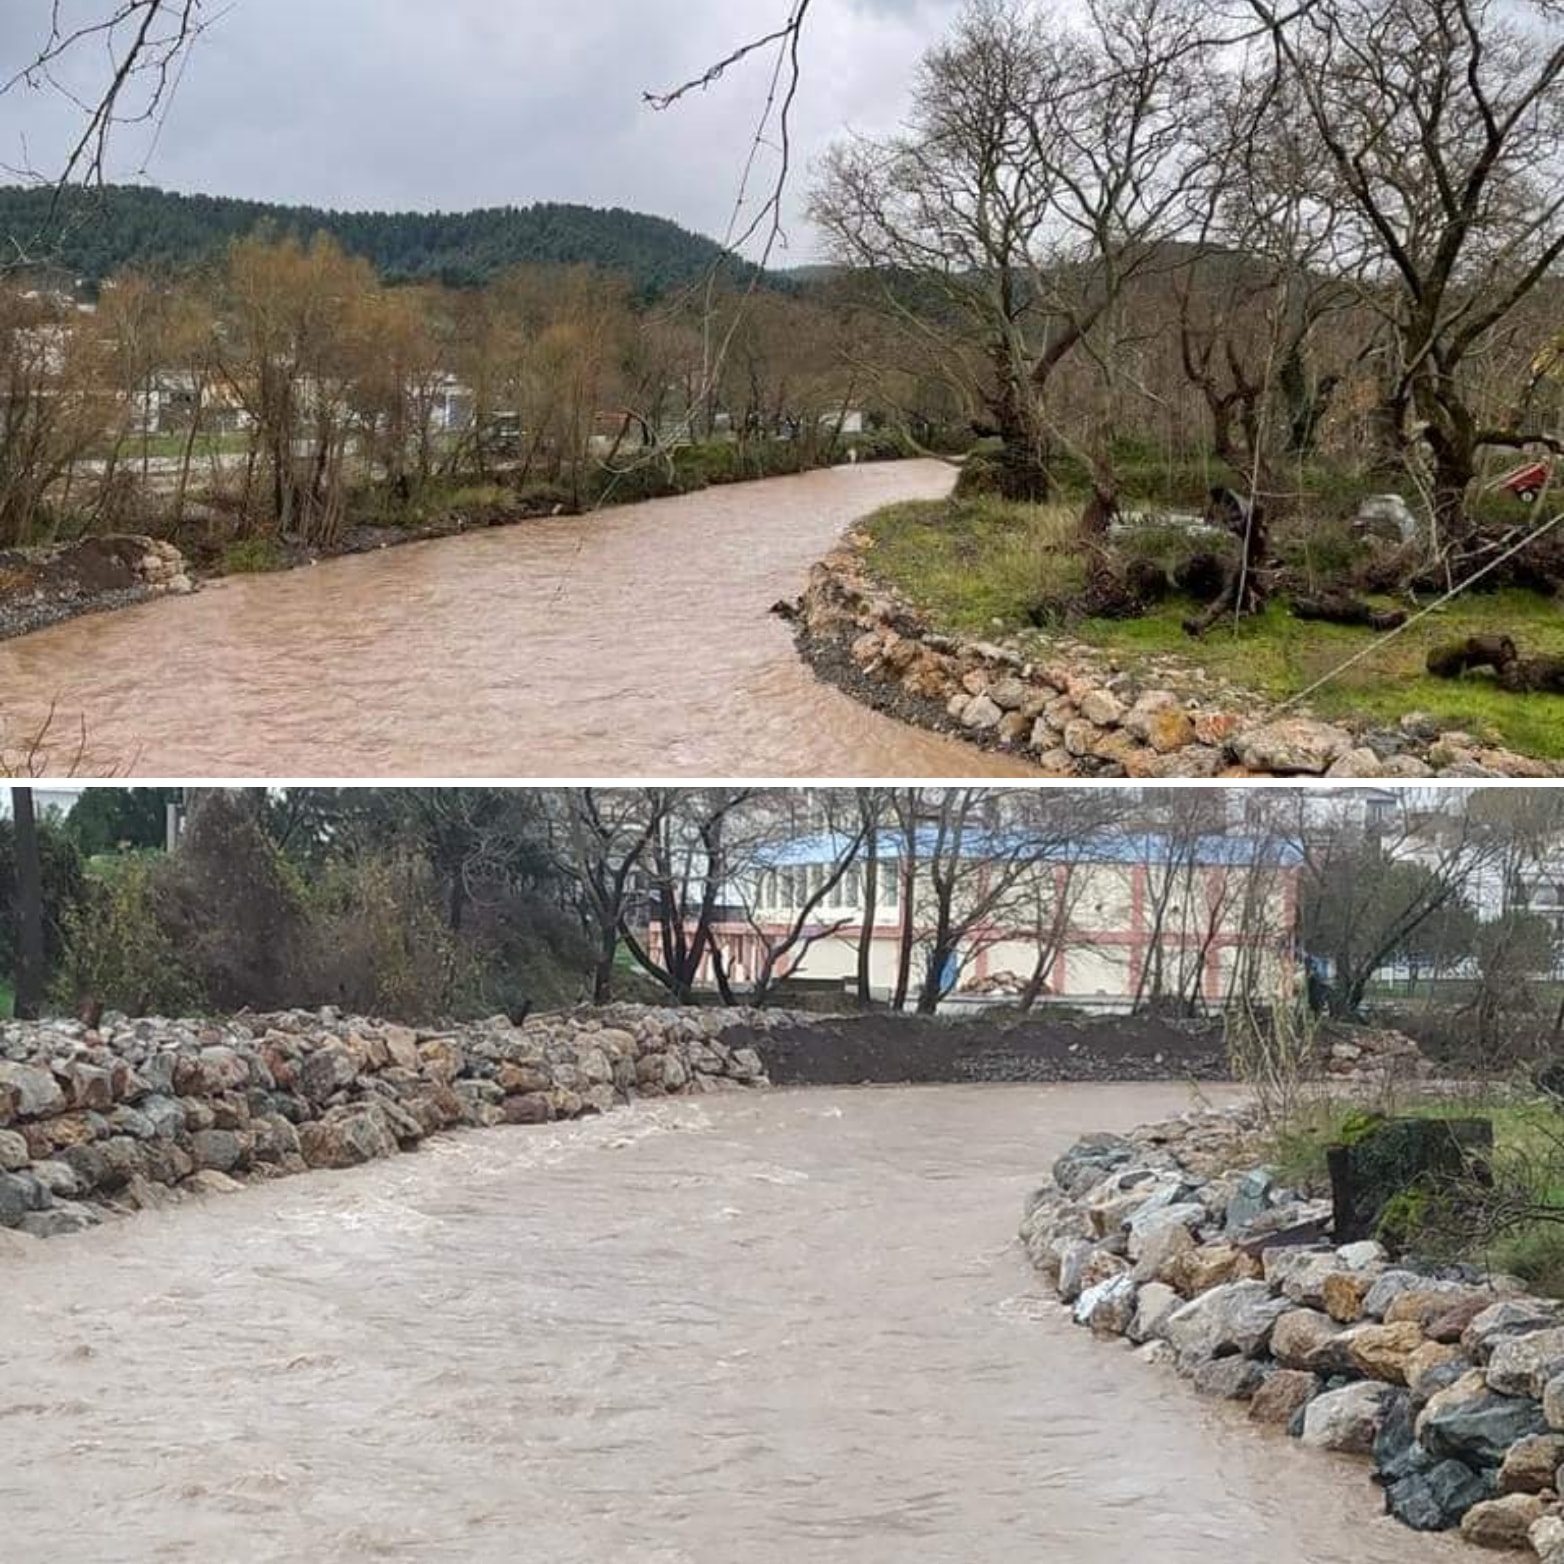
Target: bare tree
[
  {"x": 1440, "y": 132},
  {"x": 1043, "y": 171},
  {"x": 686, "y": 872},
  {"x": 836, "y": 834},
  {"x": 606, "y": 834},
  {"x": 138, "y": 46},
  {"x": 980, "y": 852}
]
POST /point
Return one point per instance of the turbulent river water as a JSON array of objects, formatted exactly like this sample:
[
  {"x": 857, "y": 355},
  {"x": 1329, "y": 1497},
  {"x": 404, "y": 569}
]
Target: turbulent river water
[
  {"x": 634, "y": 643},
  {"x": 753, "y": 1330}
]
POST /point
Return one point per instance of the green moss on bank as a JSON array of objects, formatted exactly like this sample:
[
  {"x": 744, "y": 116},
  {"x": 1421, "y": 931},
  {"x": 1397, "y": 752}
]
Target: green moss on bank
[{"x": 981, "y": 566}]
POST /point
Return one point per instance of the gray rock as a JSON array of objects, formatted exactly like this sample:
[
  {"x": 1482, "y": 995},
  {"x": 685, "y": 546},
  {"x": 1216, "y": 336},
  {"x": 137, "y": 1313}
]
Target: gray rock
[
  {"x": 1234, "y": 1318},
  {"x": 1152, "y": 1222},
  {"x": 1523, "y": 1365},
  {"x": 1389, "y": 1287},
  {"x": 165, "y": 1114},
  {"x": 1508, "y": 1317},
  {"x": 219, "y": 1149},
  {"x": 1361, "y": 1256},
  {"x": 1477, "y": 1428},
  {"x": 1347, "y": 1419},
  {"x": 59, "y": 1220},
  {"x": 1090, "y": 1159},
  {"x": 1108, "y": 1307},
  {"x": 1232, "y": 1379},
  {"x": 1252, "y": 1198},
  {"x": 1547, "y": 1538},
  {"x": 1155, "y": 1302},
  {"x": 59, "y": 1178},
  {"x": 14, "y": 1155},
  {"x": 1435, "y": 1499},
  {"x": 1553, "y": 1401},
  {"x": 21, "y": 1194},
  {"x": 38, "y": 1093}
]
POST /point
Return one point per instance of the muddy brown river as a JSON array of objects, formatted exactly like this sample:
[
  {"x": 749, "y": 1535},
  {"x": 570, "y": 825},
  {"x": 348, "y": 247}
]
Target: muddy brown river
[
  {"x": 635, "y": 643},
  {"x": 752, "y": 1330}
]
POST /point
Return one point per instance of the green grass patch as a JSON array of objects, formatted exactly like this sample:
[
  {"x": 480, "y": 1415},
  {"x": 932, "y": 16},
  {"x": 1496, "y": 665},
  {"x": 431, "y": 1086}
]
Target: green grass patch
[
  {"x": 1280, "y": 656},
  {"x": 173, "y": 446},
  {"x": 252, "y": 557},
  {"x": 978, "y": 564}
]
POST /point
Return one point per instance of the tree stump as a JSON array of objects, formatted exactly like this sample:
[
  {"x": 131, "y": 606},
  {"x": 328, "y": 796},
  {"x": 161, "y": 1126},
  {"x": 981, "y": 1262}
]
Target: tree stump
[{"x": 1389, "y": 1168}]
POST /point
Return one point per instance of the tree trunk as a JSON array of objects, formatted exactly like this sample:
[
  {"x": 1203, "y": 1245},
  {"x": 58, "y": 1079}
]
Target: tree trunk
[
  {"x": 871, "y": 896},
  {"x": 909, "y": 931},
  {"x": 29, "y": 907},
  {"x": 603, "y": 972}
]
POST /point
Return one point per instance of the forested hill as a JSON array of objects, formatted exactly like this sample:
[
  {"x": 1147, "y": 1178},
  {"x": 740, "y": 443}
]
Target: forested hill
[{"x": 98, "y": 233}]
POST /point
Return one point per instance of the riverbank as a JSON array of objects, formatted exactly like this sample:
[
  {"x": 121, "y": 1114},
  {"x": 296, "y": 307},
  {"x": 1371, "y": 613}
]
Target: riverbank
[
  {"x": 42, "y": 587},
  {"x": 110, "y": 1120},
  {"x": 1449, "y": 1380},
  {"x": 1073, "y": 711}
]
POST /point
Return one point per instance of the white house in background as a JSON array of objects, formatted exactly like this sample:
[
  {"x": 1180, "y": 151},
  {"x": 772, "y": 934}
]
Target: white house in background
[
  {"x": 452, "y": 406},
  {"x": 1112, "y": 929}
]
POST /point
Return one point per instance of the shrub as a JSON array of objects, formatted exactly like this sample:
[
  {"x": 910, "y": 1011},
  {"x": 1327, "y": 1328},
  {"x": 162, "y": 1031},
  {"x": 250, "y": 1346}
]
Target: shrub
[
  {"x": 379, "y": 943},
  {"x": 117, "y": 950},
  {"x": 234, "y": 906},
  {"x": 252, "y": 557}
]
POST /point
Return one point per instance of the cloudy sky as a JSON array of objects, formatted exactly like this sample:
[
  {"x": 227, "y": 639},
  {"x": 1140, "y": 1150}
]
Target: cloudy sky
[{"x": 451, "y": 104}]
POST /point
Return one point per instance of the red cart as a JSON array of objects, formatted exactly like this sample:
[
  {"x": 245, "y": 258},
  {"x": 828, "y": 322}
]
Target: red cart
[{"x": 1526, "y": 483}]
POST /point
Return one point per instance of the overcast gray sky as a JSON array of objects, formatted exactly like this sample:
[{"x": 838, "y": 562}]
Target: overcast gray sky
[{"x": 453, "y": 104}]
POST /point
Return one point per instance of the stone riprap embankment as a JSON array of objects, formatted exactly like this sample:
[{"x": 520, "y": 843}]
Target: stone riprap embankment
[
  {"x": 1074, "y": 714},
  {"x": 44, "y": 586},
  {"x": 1450, "y": 1382},
  {"x": 136, "y": 1113}
]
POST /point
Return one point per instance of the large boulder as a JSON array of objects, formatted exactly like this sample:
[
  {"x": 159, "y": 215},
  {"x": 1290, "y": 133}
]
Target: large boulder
[
  {"x": 346, "y": 1138},
  {"x": 1282, "y": 1396},
  {"x": 1509, "y": 1317},
  {"x": 1230, "y": 1379},
  {"x": 1435, "y": 1495},
  {"x": 1547, "y": 1538},
  {"x": 1154, "y": 1304},
  {"x": 1293, "y": 746},
  {"x": 1531, "y": 1464},
  {"x": 1347, "y": 1419},
  {"x": 1475, "y": 1424},
  {"x": 1108, "y": 1307},
  {"x": 1091, "y": 1158},
  {"x": 20, "y": 1195},
  {"x": 1383, "y": 1351},
  {"x": 1233, "y": 1319},
  {"x": 35, "y": 1093},
  {"x": 1299, "y": 1337},
  {"x": 1523, "y": 1365},
  {"x": 1154, "y": 1223},
  {"x": 1502, "y": 1523}
]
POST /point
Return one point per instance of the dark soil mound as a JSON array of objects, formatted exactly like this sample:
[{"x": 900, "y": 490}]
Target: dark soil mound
[{"x": 850, "y": 1050}]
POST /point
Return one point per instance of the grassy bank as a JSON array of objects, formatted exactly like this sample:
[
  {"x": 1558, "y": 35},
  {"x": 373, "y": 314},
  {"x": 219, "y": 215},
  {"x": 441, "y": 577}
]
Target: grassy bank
[
  {"x": 1528, "y": 1142},
  {"x": 982, "y": 566}
]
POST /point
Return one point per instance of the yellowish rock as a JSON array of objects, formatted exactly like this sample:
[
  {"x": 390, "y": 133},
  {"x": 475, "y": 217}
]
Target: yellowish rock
[{"x": 1383, "y": 1351}]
